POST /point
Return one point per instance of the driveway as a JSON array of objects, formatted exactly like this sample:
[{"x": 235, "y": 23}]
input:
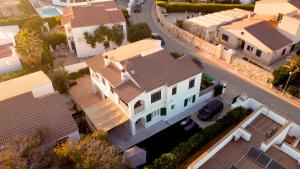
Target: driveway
[{"x": 218, "y": 72}]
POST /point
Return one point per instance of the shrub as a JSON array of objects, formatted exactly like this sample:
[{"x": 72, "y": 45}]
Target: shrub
[
  {"x": 138, "y": 32},
  {"x": 181, "y": 152},
  {"x": 53, "y": 21},
  {"x": 176, "y": 55},
  {"x": 179, "y": 23},
  {"x": 79, "y": 74},
  {"x": 54, "y": 39},
  {"x": 294, "y": 91},
  {"x": 127, "y": 16},
  {"x": 201, "y": 7},
  {"x": 59, "y": 78},
  {"x": 280, "y": 76}
]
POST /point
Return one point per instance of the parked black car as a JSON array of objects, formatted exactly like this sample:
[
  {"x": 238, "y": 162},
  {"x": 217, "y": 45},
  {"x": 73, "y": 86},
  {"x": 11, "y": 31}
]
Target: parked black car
[
  {"x": 210, "y": 110},
  {"x": 187, "y": 124},
  {"x": 137, "y": 8},
  {"x": 158, "y": 37}
]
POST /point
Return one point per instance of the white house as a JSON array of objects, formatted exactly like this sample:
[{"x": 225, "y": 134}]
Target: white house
[
  {"x": 9, "y": 58},
  {"x": 87, "y": 18},
  {"x": 265, "y": 139},
  {"x": 146, "y": 82},
  {"x": 28, "y": 104},
  {"x": 74, "y": 2}
]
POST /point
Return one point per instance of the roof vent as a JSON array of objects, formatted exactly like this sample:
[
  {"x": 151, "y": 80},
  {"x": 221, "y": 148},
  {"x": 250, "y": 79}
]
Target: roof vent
[{"x": 132, "y": 72}]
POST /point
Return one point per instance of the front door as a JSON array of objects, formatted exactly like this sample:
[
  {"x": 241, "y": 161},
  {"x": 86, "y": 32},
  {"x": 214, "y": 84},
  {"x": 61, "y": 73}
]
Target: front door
[{"x": 242, "y": 44}]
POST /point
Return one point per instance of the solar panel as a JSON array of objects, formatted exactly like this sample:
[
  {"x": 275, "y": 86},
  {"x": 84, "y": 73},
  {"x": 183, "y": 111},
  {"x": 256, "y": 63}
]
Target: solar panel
[
  {"x": 263, "y": 160},
  {"x": 233, "y": 167},
  {"x": 253, "y": 153},
  {"x": 274, "y": 165}
]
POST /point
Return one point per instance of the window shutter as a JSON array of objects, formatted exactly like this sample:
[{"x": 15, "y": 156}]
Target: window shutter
[
  {"x": 194, "y": 98},
  {"x": 163, "y": 111},
  {"x": 185, "y": 102},
  {"x": 149, "y": 117}
]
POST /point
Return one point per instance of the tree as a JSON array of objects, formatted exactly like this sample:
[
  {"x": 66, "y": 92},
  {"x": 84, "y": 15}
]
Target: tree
[
  {"x": 59, "y": 78},
  {"x": 34, "y": 24},
  {"x": 29, "y": 46},
  {"x": 91, "y": 152},
  {"x": 138, "y": 32},
  {"x": 293, "y": 64},
  {"x": 117, "y": 34},
  {"x": 23, "y": 152}
]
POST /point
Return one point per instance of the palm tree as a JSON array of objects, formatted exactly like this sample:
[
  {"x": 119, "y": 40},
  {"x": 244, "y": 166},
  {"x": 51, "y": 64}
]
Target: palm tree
[{"x": 29, "y": 46}]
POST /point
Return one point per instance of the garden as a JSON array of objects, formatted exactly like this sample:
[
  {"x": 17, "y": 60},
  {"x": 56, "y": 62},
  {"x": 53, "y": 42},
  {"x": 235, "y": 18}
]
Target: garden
[
  {"x": 185, "y": 149},
  {"x": 287, "y": 77}
]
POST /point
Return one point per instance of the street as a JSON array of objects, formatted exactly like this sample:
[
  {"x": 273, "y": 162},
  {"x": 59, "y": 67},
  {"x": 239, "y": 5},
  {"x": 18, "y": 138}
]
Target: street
[{"x": 234, "y": 81}]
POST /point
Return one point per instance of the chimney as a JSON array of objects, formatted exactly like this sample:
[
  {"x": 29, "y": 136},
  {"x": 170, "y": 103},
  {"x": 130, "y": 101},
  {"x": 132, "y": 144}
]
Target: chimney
[
  {"x": 249, "y": 15},
  {"x": 106, "y": 61}
]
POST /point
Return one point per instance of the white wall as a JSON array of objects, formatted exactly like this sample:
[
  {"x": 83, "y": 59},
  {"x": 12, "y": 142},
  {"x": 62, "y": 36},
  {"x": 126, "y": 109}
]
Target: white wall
[
  {"x": 9, "y": 64},
  {"x": 75, "y": 67},
  {"x": 85, "y": 50},
  {"x": 290, "y": 27},
  {"x": 74, "y": 136},
  {"x": 42, "y": 90},
  {"x": 265, "y": 9},
  {"x": 287, "y": 149}
]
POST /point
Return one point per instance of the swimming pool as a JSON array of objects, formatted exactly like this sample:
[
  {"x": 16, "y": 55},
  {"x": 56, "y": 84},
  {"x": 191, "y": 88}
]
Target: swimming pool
[{"x": 46, "y": 12}]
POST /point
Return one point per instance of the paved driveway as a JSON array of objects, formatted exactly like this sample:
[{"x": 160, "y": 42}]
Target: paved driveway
[{"x": 217, "y": 72}]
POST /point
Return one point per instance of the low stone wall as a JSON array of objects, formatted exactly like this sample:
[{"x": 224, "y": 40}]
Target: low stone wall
[{"x": 251, "y": 70}]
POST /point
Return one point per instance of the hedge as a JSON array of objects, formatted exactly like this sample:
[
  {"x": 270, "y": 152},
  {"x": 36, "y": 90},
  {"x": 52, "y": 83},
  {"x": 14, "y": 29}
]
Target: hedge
[
  {"x": 79, "y": 73},
  {"x": 201, "y": 7},
  {"x": 185, "y": 149},
  {"x": 55, "y": 38}
]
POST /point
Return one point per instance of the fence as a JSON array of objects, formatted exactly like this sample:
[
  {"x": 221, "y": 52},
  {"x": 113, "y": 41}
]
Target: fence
[{"x": 204, "y": 46}]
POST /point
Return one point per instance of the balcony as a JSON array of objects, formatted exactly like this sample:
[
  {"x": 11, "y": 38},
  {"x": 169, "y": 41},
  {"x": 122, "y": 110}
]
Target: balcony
[{"x": 139, "y": 106}]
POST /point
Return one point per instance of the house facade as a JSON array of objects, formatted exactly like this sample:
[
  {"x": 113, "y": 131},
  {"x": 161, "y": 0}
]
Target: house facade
[
  {"x": 9, "y": 58},
  {"x": 146, "y": 82},
  {"x": 78, "y": 20}
]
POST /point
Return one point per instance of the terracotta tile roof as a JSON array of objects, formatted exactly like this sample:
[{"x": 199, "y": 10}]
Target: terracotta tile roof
[
  {"x": 99, "y": 13},
  {"x": 128, "y": 90},
  {"x": 262, "y": 31},
  {"x": 24, "y": 114},
  {"x": 5, "y": 51},
  {"x": 149, "y": 72},
  {"x": 22, "y": 84},
  {"x": 268, "y": 35},
  {"x": 160, "y": 68}
]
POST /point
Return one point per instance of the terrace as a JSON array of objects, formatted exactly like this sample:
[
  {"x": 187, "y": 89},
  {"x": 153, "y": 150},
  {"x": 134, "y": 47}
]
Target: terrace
[{"x": 264, "y": 139}]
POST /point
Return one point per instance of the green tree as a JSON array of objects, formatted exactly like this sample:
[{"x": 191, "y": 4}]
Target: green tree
[
  {"x": 117, "y": 34},
  {"x": 60, "y": 78},
  {"x": 280, "y": 76},
  {"x": 91, "y": 152},
  {"x": 138, "y": 32},
  {"x": 29, "y": 46},
  {"x": 34, "y": 24}
]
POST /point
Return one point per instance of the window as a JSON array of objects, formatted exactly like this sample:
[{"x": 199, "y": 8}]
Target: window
[
  {"x": 174, "y": 90},
  {"x": 283, "y": 52},
  {"x": 172, "y": 107},
  {"x": 192, "y": 83},
  {"x": 225, "y": 37},
  {"x": 155, "y": 96},
  {"x": 249, "y": 48},
  {"x": 258, "y": 53},
  {"x": 293, "y": 48},
  {"x": 156, "y": 113},
  {"x": 103, "y": 81},
  {"x": 194, "y": 99},
  {"x": 163, "y": 111},
  {"x": 185, "y": 102},
  {"x": 63, "y": 0},
  {"x": 149, "y": 117},
  {"x": 111, "y": 90}
]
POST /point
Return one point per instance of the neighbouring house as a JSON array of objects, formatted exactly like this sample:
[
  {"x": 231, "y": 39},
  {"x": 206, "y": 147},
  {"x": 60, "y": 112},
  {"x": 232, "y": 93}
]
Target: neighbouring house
[
  {"x": 78, "y": 20},
  {"x": 256, "y": 39},
  {"x": 9, "y": 58},
  {"x": 143, "y": 84},
  {"x": 265, "y": 139},
  {"x": 29, "y": 104},
  {"x": 205, "y": 26},
  {"x": 275, "y": 7}
]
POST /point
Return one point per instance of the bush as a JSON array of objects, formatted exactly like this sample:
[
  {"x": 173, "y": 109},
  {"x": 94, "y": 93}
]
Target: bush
[
  {"x": 179, "y": 23},
  {"x": 54, "y": 39},
  {"x": 294, "y": 91},
  {"x": 138, "y": 32},
  {"x": 53, "y": 21},
  {"x": 181, "y": 152},
  {"x": 59, "y": 78},
  {"x": 79, "y": 74},
  {"x": 201, "y": 7},
  {"x": 176, "y": 55},
  {"x": 280, "y": 76},
  {"x": 127, "y": 16}
]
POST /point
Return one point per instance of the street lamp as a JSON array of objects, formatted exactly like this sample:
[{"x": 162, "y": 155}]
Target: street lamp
[{"x": 290, "y": 73}]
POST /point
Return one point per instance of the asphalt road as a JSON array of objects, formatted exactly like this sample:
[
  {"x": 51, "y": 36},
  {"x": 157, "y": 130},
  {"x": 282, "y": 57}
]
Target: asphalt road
[{"x": 238, "y": 84}]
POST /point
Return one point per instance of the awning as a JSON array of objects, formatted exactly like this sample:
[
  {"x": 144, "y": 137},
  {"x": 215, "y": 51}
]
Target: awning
[{"x": 105, "y": 115}]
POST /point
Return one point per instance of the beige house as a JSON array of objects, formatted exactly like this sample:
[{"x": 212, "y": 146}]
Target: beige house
[
  {"x": 282, "y": 7},
  {"x": 257, "y": 39}
]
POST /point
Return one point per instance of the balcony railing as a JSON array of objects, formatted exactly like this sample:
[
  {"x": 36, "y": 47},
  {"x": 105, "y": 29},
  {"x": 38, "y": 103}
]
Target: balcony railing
[{"x": 139, "y": 109}]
